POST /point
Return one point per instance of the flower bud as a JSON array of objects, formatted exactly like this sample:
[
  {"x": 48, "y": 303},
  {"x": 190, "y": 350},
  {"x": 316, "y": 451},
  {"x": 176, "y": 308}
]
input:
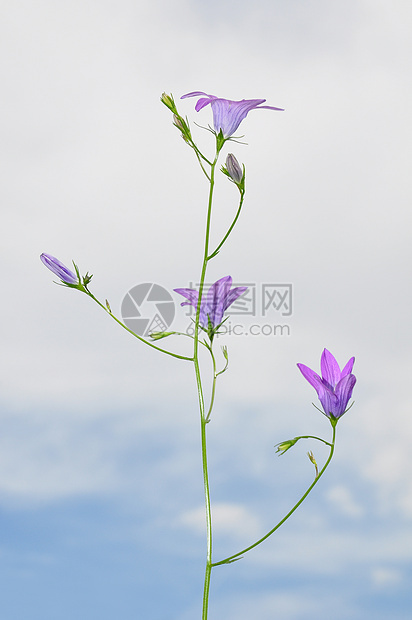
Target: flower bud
[
  {"x": 168, "y": 101},
  {"x": 160, "y": 335},
  {"x": 284, "y": 446},
  {"x": 313, "y": 460},
  {"x": 61, "y": 271},
  {"x": 234, "y": 169}
]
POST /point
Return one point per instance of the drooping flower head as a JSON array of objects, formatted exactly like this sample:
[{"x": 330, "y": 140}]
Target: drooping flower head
[
  {"x": 335, "y": 387},
  {"x": 61, "y": 271},
  {"x": 227, "y": 114},
  {"x": 217, "y": 299}
]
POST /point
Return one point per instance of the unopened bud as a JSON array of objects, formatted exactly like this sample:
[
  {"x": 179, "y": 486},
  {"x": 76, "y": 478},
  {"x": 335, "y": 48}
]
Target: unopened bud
[
  {"x": 286, "y": 445},
  {"x": 168, "y": 101},
  {"x": 178, "y": 122},
  {"x": 160, "y": 335},
  {"x": 312, "y": 460},
  {"x": 234, "y": 169}
]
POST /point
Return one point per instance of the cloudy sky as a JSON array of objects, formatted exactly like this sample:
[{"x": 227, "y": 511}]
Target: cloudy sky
[{"x": 100, "y": 479}]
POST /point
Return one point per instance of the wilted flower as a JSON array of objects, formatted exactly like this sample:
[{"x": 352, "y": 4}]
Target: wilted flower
[
  {"x": 227, "y": 114},
  {"x": 335, "y": 387},
  {"x": 60, "y": 270},
  {"x": 234, "y": 169},
  {"x": 218, "y": 298}
]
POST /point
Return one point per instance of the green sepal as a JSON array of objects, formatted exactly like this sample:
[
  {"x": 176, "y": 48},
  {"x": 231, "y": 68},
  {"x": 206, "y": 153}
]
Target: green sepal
[{"x": 220, "y": 140}]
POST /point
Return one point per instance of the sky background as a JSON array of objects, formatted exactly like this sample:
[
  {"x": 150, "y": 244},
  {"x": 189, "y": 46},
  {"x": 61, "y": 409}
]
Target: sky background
[{"x": 101, "y": 512}]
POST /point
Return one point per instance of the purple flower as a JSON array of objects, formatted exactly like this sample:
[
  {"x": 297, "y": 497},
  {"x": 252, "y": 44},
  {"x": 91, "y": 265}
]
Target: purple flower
[
  {"x": 227, "y": 114},
  {"x": 218, "y": 298},
  {"x": 60, "y": 270},
  {"x": 335, "y": 387}
]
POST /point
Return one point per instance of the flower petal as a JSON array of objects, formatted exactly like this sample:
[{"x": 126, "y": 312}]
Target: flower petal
[
  {"x": 215, "y": 297},
  {"x": 311, "y": 376},
  {"x": 330, "y": 369},
  {"x": 269, "y": 107},
  {"x": 233, "y": 295},
  {"x": 195, "y": 93},
  {"x": 348, "y": 368},
  {"x": 343, "y": 392},
  {"x": 330, "y": 402},
  {"x": 202, "y": 102},
  {"x": 190, "y": 294},
  {"x": 227, "y": 114}
]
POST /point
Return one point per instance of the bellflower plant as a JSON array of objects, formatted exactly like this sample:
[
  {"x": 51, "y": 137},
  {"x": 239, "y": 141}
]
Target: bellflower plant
[{"x": 334, "y": 388}]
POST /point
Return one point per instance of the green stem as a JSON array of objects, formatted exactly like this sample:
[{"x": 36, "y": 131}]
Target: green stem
[
  {"x": 212, "y": 398},
  {"x": 318, "y": 438},
  {"x": 203, "y": 420},
  {"x": 150, "y": 344},
  {"x": 236, "y": 556},
  {"x": 213, "y": 254}
]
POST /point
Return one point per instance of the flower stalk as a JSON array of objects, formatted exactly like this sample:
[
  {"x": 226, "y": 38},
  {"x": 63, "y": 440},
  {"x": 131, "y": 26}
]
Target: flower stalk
[{"x": 334, "y": 388}]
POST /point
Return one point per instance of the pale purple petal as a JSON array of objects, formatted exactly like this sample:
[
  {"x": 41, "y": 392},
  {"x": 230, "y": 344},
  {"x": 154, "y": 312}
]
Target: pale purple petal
[
  {"x": 214, "y": 301},
  {"x": 233, "y": 295},
  {"x": 190, "y": 294},
  {"x": 270, "y": 107},
  {"x": 195, "y": 93},
  {"x": 330, "y": 369}
]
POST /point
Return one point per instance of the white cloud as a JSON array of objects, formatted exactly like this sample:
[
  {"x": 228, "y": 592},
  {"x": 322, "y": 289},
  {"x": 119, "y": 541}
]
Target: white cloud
[
  {"x": 344, "y": 502},
  {"x": 384, "y": 577}
]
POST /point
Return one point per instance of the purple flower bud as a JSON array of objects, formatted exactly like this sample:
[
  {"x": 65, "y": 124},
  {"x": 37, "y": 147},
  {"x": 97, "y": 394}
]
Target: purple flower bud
[
  {"x": 234, "y": 169},
  {"x": 60, "y": 270}
]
